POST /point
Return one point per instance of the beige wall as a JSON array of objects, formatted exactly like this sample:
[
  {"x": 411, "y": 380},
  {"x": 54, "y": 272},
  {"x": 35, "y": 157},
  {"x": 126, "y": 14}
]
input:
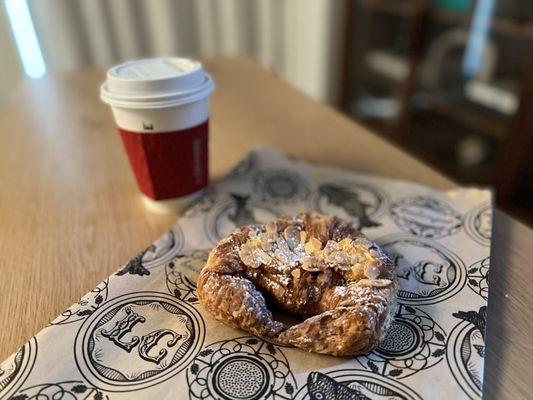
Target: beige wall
[{"x": 10, "y": 69}]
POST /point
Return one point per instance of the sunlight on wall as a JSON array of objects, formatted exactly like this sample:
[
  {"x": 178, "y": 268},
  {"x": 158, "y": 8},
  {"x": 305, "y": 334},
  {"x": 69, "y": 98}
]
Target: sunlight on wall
[{"x": 24, "y": 33}]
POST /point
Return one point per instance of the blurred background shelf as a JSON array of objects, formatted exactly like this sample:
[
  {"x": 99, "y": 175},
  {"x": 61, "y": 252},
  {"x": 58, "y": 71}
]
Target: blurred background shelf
[
  {"x": 514, "y": 29},
  {"x": 450, "y": 81}
]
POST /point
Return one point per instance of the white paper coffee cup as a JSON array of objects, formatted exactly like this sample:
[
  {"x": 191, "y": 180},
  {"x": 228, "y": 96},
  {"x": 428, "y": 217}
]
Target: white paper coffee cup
[{"x": 161, "y": 108}]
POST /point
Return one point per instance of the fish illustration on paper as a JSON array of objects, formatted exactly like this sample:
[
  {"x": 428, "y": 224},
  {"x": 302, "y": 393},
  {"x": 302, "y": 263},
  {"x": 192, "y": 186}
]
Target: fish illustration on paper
[
  {"x": 322, "y": 387},
  {"x": 478, "y": 319},
  {"x": 140, "y": 264},
  {"x": 135, "y": 265},
  {"x": 467, "y": 350},
  {"x": 350, "y": 202},
  {"x": 235, "y": 211}
]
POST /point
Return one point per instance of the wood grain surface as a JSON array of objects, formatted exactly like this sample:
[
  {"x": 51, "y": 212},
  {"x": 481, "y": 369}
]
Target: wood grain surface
[{"x": 70, "y": 212}]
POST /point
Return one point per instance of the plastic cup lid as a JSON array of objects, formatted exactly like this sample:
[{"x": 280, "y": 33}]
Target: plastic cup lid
[{"x": 155, "y": 83}]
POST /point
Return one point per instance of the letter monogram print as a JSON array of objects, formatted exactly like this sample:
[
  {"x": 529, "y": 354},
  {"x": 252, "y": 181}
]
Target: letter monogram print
[
  {"x": 429, "y": 273},
  {"x": 152, "y": 339},
  {"x": 138, "y": 340},
  {"x": 122, "y": 327}
]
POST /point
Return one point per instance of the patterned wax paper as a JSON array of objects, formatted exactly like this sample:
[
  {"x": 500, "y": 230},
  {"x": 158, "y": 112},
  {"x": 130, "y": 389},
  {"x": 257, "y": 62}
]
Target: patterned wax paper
[{"x": 142, "y": 334}]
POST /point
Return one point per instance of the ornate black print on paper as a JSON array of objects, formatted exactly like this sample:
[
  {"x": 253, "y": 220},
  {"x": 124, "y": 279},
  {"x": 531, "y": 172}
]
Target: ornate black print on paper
[
  {"x": 243, "y": 368},
  {"x": 358, "y": 202},
  {"x": 280, "y": 186},
  {"x": 156, "y": 254},
  {"x": 428, "y": 272},
  {"x": 138, "y": 340},
  {"x": 479, "y": 224},
  {"x": 182, "y": 273},
  {"x": 72, "y": 390},
  {"x": 85, "y": 306},
  {"x": 414, "y": 342},
  {"x": 426, "y": 217},
  {"x": 242, "y": 169},
  {"x": 203, "y": 204},
  {"x": 478, "y": 277},
  {"x": 15, "y": 370},
  {"x": 466, "y": 350},
  {"x": 353, "y": 384},
  {"x": 234, "y": 211}
]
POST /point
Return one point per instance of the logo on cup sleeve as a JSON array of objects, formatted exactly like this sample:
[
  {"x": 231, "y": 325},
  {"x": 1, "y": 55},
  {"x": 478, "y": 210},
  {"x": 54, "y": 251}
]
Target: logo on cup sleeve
[{"x": 138, "y": 340}]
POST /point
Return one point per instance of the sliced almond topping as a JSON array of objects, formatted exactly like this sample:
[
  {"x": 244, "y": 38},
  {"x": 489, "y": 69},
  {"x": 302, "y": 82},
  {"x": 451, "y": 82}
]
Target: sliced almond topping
[
  {"x": 271, "y": 229},
  {"x": 346, "y": 244},
  {"x": 266, "y": 245},
  {"x": 339, "y": 258},
  {"x": 357, "y": 270},
  {"x": 248, "y": 257},
  {"x": 356, "y": 259},
  {"x": 330, "y": 247},
  {"x": 372, "y": 270},
  {"x": 343, "y": 267},
  {"x": 380, "y": 283},
  {"x": 316, "y": 243},
  {"x": 363, "y": 242},
  {"x": 283, "y": 252},
  {"x": 374, "y": 253},
  {"x": 323, "y": 229},
  {"x": 263, "y": 256},
  {"x": 292, "y": 236},
  {"x": 296, "y": 273},
  {"x": 311, "y": 264},
  {"x": 313, "y": 246}
]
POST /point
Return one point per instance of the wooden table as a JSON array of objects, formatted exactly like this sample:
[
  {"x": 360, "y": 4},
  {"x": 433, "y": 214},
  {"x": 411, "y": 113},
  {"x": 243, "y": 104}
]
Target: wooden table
[{"x": 70, "y": 212}]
